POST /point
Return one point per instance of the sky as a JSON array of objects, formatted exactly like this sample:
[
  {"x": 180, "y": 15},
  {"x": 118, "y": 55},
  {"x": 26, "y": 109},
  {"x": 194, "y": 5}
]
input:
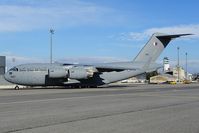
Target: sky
[{"x": 96, "y": 30}]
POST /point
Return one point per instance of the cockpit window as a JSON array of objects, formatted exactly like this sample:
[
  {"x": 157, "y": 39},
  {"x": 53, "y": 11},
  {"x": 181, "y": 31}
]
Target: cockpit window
[{"x": 14, "y": 69}]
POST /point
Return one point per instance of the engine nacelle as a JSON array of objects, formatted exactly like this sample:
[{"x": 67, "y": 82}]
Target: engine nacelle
[
  {"x": 80, "y": 73},
  {"x": 57, "y": 73}
]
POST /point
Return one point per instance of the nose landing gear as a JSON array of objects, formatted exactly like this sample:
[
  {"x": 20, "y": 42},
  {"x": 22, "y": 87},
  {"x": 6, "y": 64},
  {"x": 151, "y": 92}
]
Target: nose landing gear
[{"x": 16, "y": 87}]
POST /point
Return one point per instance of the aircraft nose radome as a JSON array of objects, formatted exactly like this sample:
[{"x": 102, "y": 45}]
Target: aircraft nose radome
[{"x": 6, "y": 76}]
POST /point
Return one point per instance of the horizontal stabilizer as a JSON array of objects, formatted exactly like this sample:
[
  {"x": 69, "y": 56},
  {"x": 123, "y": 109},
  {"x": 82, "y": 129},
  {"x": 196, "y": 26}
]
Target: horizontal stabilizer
[{"x": 172, "y": 36}]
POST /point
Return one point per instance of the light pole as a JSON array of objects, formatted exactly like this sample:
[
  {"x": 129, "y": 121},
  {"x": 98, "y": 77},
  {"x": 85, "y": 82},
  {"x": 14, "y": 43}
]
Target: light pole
[
  {"x": 186, "y": 64},
  {"x": 51, "y": 44},
  {"x": 178, "y": 67}
]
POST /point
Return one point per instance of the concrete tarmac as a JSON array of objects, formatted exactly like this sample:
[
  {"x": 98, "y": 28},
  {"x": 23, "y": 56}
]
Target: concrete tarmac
[{"x": 115, "y": 109}]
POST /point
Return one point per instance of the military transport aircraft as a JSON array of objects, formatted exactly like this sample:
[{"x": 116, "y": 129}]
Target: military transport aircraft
[{"x": 56, "y": 74}]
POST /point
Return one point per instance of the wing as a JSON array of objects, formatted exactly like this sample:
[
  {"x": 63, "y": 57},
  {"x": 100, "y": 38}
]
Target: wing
[{"x": 108, "y": 67}]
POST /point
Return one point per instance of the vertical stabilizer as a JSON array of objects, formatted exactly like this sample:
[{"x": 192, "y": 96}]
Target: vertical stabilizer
[{"x": 154, "y": 47}]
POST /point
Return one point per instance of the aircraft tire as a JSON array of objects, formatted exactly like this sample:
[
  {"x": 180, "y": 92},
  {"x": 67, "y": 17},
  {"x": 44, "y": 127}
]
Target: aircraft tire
[{"x": 16, "y": 87}]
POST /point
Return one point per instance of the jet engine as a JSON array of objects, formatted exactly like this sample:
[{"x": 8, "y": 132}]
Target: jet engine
[
  {"x": 81, "y": 72},
  {"x": 57, "y": 73}
]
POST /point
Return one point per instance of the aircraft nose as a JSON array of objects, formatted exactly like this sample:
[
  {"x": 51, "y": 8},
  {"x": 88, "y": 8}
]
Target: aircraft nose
[{"x": 6, "y": 76}]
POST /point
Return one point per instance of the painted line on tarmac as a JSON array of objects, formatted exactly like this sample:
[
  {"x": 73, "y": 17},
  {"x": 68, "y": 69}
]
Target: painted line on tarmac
[
  {"x": 96, "y": 96},
  {"x": 69, "y": 98}
]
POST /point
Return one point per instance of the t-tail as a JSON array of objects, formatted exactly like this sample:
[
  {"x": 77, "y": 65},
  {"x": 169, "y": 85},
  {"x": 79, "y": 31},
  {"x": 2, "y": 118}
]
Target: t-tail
[
  {"x": 154, "y": 47},
  {"x": 145, "y": 59}
]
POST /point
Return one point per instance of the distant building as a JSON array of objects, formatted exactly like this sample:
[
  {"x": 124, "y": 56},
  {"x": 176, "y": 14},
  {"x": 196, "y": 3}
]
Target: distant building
[
  {"x": 138, "y": 79},
  {"x": 189, "y": 76},
  {"x": 171, "y": 74},
  {"x": 159, "y": 79},
  {"x": 166, "y": 67},
  {"x": 2, "y": 65},
  {"x": 181, "y": 71},
  {"x": 134, "y": 80}
]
